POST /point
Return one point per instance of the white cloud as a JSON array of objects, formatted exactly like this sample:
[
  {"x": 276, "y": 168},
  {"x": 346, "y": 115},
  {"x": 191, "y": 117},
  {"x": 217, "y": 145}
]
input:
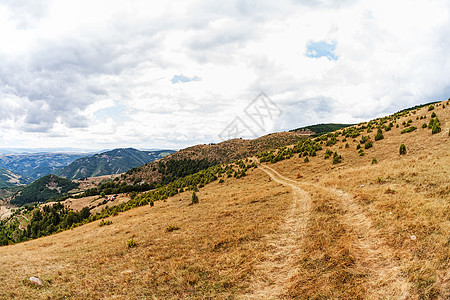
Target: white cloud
[{"x": 99, "y": 74}]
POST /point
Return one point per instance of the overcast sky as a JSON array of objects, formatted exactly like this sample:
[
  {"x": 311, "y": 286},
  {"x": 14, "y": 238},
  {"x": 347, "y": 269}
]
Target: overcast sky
[{"x": 171, "y": 74}]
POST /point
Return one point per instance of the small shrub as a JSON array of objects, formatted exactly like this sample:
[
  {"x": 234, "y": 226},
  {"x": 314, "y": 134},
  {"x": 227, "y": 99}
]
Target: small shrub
[
  {"x": 221, "y": 180},
  {"x": 337, "y": 159},
  {"x": 431, "y": 107},
  {"x": 131, "y": 243},
  {"x": 379, "y": 135},
  {"x": 347, "y": 145},
  {"x": 390, "y": 191},
  {"x": 171, "y": 228},
  {"x": 396, "y": 126},
  {"x": 424, "y": 125},
  {"x": 364, "y": 139},
  {"x": 436, "y": 128},
  {"x": 104, "y": 223},
  {"x": 409, "y": 129},
  {"x": 379, "y": 179},
  {"x": 433, "y": 115},
  {"x": 194, "y": 199},
  {"x": 358, "y": 147},
  {"x": 306, "y": 159},
  {"x": 402, "y": 149},
  {"x": 368, "y": 145},
  {"x": 374, "y": 161}
]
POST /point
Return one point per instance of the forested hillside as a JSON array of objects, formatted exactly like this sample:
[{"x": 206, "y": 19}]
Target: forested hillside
[
  {"x": 111, "y": 162},
  {"x": 46, "y": 188}
]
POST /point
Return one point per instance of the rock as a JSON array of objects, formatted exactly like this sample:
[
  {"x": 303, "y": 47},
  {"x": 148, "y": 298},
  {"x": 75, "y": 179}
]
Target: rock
[{"x": 35, "y": 280}]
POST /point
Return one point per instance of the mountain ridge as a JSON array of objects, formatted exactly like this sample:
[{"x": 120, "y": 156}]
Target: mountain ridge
[{"x": 111, "y": 162}]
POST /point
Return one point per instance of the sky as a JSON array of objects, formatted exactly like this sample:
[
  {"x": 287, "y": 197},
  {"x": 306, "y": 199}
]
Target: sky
[{"x": 172, "y": 74}]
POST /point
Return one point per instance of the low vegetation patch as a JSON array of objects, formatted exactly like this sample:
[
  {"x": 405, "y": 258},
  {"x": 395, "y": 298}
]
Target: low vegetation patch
[
  {"x": 408, "y": 129},
  {"x": 171, "y": 228},
  {"x": 402, "y": 149},
  {"x": 104, "y": 223},
  {"x": 131, "y": 243}
]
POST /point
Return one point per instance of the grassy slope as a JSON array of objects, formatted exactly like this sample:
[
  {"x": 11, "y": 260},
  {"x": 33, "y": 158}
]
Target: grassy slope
[{"x": 356, "y": 241}]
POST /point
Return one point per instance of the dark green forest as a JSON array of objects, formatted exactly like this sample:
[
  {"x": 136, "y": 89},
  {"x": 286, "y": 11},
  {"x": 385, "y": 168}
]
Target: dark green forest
[{"x": 49, "y": 187}]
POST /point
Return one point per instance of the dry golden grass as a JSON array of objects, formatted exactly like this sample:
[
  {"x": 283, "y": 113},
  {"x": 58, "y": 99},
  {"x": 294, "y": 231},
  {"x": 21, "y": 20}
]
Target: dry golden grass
[
  {"x": 212, "y": 254},
  {"x": 342, "y": 231}
]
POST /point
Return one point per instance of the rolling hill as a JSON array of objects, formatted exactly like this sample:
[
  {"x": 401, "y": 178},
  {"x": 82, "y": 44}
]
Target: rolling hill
[
  {"x": 9, "y": 178},
  {"x": 43, "y": 189},
  {"x": 111, "y": 162},
  {"x": 154, "y": 172},
  {"x": 346, "y": 215}
]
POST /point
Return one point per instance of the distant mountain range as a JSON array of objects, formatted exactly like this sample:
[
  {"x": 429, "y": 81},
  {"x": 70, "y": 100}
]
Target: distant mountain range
[
  {"x": 34, "y": 166},
  {"x": 111, "y": 162}
]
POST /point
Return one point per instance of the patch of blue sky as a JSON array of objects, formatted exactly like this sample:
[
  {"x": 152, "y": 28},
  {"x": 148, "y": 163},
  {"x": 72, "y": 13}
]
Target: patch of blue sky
[
  {"x": 115, "y": 112},
  {"x": 183, "y": 79},
  {"x": 321, "y": 49}
]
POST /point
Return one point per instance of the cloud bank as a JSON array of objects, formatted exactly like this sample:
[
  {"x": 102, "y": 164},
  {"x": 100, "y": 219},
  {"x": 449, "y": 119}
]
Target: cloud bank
[{"x": 105, "y": 74}]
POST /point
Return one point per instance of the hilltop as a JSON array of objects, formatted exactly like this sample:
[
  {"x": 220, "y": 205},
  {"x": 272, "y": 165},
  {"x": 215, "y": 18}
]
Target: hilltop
[
  {"x": 109, "y": 163},
  {"x": 345, "y": 215},
  {"x": 318, "y": 129}
]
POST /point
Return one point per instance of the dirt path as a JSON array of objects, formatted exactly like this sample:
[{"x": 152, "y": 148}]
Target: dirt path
[
  {"x": 375, "y": 257},
  {"x": 272, "y": 275}
]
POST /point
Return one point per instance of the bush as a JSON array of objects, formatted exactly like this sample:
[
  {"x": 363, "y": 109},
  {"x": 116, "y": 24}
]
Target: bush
[
  {"x": 431, "y": 107},
  {"x": 306, "y": 159},
  {"x": 328, "y": 153},
  {"x": 337, "y": 158},
  {"x": 402, "y": 149},
  {"x": 433, "y": 115},
  {"x": 374, "y": 161},
  {"x": 131, "y": 243},
  {"x": 409, "y": 129},
  {"x": 368, "y": 145},
  {"x": 194, "y": 199},
  {"x": 424, "y": 125},
  {"x": 171, "y": 228},
  {"x": 379, "y": 135},
  {"x": 436, "y": 128},
  {"x": 221, "y": 180},
  {"x": 347, "y": 145},
  {"x": 104, "y": 223}
]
